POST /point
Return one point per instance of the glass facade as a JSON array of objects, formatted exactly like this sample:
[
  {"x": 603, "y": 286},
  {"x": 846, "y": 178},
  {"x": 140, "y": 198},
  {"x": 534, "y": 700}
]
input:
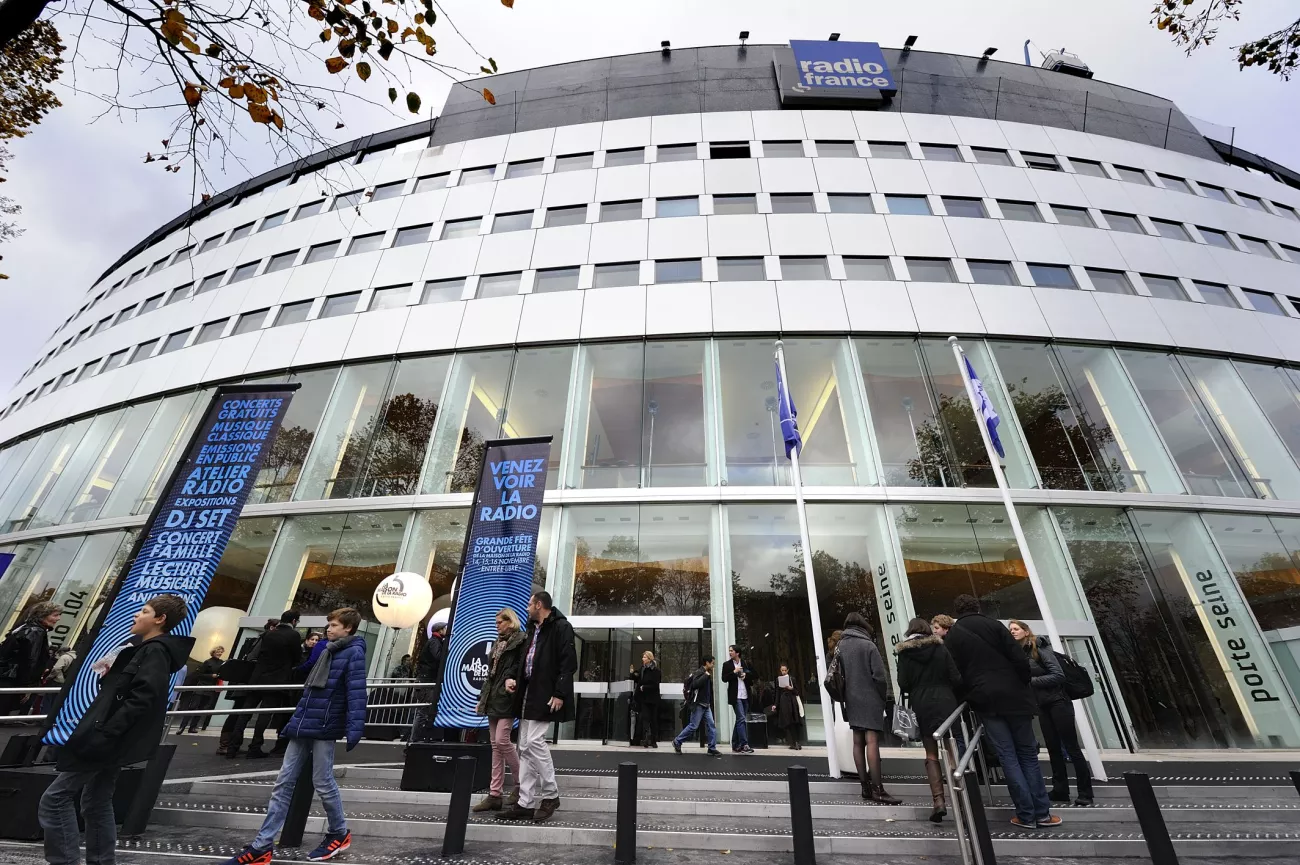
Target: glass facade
[{"x": 672, "y": 499}]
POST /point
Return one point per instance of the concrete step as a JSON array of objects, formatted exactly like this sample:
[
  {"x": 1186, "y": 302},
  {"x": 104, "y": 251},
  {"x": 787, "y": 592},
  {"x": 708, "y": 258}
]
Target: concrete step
[
  {"x": 857, "y": 829},
  {"x": 916, "y": 804}
]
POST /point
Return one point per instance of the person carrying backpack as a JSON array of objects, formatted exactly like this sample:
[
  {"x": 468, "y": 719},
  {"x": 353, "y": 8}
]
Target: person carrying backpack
[
  {"x": 1055, "y": 716},
  {"x": 25, "y": 655}
]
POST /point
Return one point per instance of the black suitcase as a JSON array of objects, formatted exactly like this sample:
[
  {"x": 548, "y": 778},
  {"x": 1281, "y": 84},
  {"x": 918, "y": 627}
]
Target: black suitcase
[
  {"x": 21, "y": 788},
  {"x": 430, "y": 766}
]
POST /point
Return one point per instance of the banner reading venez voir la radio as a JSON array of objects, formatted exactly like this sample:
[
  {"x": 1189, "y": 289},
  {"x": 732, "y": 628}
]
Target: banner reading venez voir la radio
[
  {"x": 183, "y": 542},
  {"x": 496, "y": 569}
]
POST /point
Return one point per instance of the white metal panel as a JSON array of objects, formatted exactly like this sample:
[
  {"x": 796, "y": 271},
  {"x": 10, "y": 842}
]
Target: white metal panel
[
  {"x": 578, "y": 138},
  {"x": 668, "y": 179},
  {"x": 1073, "y": 314},
  {"x": 532, "y": 144},
  {"x": 859, "y": 234},
  {"x": 745, "y": 306},
  {"x": 322, "y": 339},
  {"x": 618, "y": 241},
  {"x": 1000, "y": 181},
  {"x": 403, "y": 264},
  {"x": 452, "y": 258},
  {"x": 376, "y": 334},
  {"x": 827, "y": 124},
  {"x": 352, "y": 272},
  {"x": 685, "y": 307},
  {"x": 843, "y": 175},
  {"x": 628, "y": 132},
  {"x": 1132, "y": 318},
  {"x": 679, "y": 237},
  {"x": 569, "y": 188},
  {"x": 944, "y": 308},
  {"x": 798, "y": 234},
  {"x": 432, "y": 327},
  {"x": 1038, "y": 242},
  {"x": 611, "y": 312},
  {"x": 467, "y": 201},
  {"x": 899, "y": 175},
  {"x": 953, "y": 178},
  {"x": 552, "y": 316},
  {"x": 623, "y": 182},
  {"x": 738, "y": 235},
  {"x": 1010, "y": 310},
  {"x": 478, "y": 152},
  {"x": 978, "y": 238},
  {"x": 675, "y": 129},
  {"x": 305, "y": 281},
  {"x": 812, "y": 305},
  {"x": 728, "y": 126},
  {"x": 491, "y": 321},
  {"x": 506, "y": 252},
  {"x": 924, "y": 236},
  {"x": 725, "y": 176},
  {"x": 878, "y": 306},
  {"x": 563, "y": 246},
  {"x": 879, "y": 126},
  {"x": 1091, "y": 247},
  {"x": 231, "y": 356},
  {"x": 787, "y": 175},
  {"x": 519, "y": 193}
]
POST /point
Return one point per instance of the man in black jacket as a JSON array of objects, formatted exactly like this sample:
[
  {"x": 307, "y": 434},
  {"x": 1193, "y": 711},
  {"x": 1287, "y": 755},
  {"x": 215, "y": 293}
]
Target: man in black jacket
[
  {"x": 122, "y": 726},
  {"x": 740, "y": 679},
  {"x": 995, "y": 672},
  {"x": 550, "y": 660},
  {"x": 278, "y": 652},
  {"x": 699, "y": 694}
]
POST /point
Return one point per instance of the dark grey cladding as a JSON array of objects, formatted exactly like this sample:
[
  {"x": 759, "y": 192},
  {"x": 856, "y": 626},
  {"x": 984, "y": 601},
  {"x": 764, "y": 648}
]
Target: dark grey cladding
[{"x": 731, "y": 78}]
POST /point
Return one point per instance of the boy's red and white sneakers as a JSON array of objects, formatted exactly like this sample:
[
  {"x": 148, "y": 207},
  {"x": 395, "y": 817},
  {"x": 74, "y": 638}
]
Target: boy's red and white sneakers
[
  {"x": 251, "y": 856},
  {"x": 332, "y": 846}
]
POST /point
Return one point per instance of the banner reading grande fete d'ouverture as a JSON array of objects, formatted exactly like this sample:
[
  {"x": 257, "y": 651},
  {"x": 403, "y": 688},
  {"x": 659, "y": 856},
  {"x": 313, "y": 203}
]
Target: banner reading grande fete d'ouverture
[
  {"x": 188, "y": 530},
  {"x": 496, "y": 569}
]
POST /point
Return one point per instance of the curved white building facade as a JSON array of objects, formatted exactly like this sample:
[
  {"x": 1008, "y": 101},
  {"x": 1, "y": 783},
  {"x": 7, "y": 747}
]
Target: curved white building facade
[{"x": 619, "y": 282}]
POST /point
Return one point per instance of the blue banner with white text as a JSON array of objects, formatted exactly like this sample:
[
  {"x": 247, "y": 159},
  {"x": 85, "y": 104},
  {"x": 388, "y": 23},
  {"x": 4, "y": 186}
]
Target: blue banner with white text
[
  {"x": 496, "y": 570},
  {"x": 188, "y": 531}
]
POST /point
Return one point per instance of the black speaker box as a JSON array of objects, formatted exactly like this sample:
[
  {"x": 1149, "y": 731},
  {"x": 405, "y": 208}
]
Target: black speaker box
[
  {"x": 430, "y": 765},
  {"x": 21, "y": 788}
]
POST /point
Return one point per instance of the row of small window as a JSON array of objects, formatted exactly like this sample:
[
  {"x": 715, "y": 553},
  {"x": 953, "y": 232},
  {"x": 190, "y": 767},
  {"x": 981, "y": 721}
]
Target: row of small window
[
  {"x": 729, "y": 269},
  {"x": 724, "y": 150}
]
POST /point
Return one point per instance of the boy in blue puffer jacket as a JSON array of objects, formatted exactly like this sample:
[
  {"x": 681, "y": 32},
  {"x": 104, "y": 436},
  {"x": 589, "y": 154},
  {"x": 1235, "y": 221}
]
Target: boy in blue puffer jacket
[{"x": 332, "y": 707}]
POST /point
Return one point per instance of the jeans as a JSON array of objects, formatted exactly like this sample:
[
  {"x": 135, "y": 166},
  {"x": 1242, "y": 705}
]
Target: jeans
[
  {"x": 740, "y": 735},
  {"x": 1062, "y": 739},
  {"x": 58, "y": 818},
  {"x": 321, "y": 754},
  {"x": 699, "y": 712},
  {"x": 503, "y": 755},
  {"x": 536, "y": 771},
  {"x": 1012, "y": 738}
]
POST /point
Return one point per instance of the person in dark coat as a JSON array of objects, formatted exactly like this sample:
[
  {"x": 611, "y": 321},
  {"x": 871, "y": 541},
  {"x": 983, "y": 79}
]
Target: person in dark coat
[
  {"x": 928, "y": 677},
  {"x": 332, "y": 707},
  {"x": 995, "y": 676},
  {"x": 647, "y": 680},
  {"x": 123, "y": 726},
  {"x": 739, "y": 677},
  {"x": 1055, "y": 716},
  {"x": 279, "y": 650},
  {"x": 550, "y": 660},
  {"x": 207, "y": 673},
  {"x": 788, "y": 718},
  {"x": 428, "y": 668},
  {"x": 699, "y": 697},
  {"x": 25, "y": 655},
  {"x": 864, "y": 703},
  {"x": 499, "y": 701}
]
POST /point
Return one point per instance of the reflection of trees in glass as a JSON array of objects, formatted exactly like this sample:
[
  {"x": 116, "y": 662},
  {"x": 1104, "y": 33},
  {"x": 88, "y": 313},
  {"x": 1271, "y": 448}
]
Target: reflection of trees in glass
[
  {"x": 283, "y": 461},
  {"x": 469, "y": 459},
  {"x": 384, "y": 457},
  {"x": 1062, "y": 441},
  {"x": 616, "y": 582},
  {"x": 1160, "y": 688},
  {"x": 1272, "y": 588},
  {"x": 950, "y": 451}
]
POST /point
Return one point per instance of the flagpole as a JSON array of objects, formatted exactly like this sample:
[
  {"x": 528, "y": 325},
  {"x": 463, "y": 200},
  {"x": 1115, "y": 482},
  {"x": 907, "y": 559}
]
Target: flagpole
[
  {"x": 819, "y": 645},
  {"x": 1035, "y": 582}
]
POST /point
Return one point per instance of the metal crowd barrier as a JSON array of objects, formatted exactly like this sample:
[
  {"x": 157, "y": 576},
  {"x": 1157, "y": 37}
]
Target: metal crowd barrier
[{"x": 973, "y": 836}]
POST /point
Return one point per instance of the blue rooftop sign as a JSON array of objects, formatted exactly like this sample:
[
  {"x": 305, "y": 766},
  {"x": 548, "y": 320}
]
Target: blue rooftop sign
[{"x": 851, "y": 68}]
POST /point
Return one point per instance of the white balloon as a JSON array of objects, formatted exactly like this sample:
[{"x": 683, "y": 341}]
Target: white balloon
[{"x": 402, "y": 599}]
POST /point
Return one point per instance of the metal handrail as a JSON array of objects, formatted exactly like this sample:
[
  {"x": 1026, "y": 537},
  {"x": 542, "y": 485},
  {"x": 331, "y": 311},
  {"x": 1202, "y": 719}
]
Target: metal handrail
[{"x": 964, "y": 817}]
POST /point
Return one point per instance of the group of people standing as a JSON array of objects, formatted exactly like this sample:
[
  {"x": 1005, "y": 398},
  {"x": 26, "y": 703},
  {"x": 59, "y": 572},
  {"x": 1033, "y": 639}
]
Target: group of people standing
[
  {"x": 782, "y": 704},
  {"x": 1007, "y": 675}
]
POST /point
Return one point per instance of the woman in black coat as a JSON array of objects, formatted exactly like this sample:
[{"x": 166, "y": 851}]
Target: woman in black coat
[
  {"x": 1055, "y": 716},
  {"x": 788, "y": 717},
  {"x": 928, "y": 677},
  {"x": 646, "y": 681}
]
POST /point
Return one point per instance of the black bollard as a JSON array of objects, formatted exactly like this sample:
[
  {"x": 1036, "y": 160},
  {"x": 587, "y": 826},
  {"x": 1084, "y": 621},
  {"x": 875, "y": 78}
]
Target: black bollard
[
  {"x": 462, "y": 787},
  {"x": 295, "y": 821},
  {"x": 1295, "y": 779},
  {"x": 979, "y": 820},
  {"x": 151, "y": 779},
  {"x": 801, "y": 827},
  {"x": 1154, "y": 830},
  {"x": 625, "y": 823}
]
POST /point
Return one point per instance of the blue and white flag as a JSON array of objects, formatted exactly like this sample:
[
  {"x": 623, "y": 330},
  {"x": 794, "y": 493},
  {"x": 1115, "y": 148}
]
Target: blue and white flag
[
  {"x": 991, "y": 419},
  {"x": 788, "y": 415}
]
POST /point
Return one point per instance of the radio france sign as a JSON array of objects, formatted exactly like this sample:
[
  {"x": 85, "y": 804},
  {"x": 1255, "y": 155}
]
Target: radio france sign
[
  {"x": 496, "y": 569},
  {"x": 848, "y": 72}
]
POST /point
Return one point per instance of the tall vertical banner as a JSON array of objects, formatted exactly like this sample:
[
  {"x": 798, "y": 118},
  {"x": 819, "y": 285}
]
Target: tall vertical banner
[
  {"x": 496, "y": 569},
  {"x": 186, "y": 535}
]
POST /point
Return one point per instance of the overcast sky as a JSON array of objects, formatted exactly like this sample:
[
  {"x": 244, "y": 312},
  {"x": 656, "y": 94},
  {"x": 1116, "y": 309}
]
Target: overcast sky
[{"x": 88, "y": 197}]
